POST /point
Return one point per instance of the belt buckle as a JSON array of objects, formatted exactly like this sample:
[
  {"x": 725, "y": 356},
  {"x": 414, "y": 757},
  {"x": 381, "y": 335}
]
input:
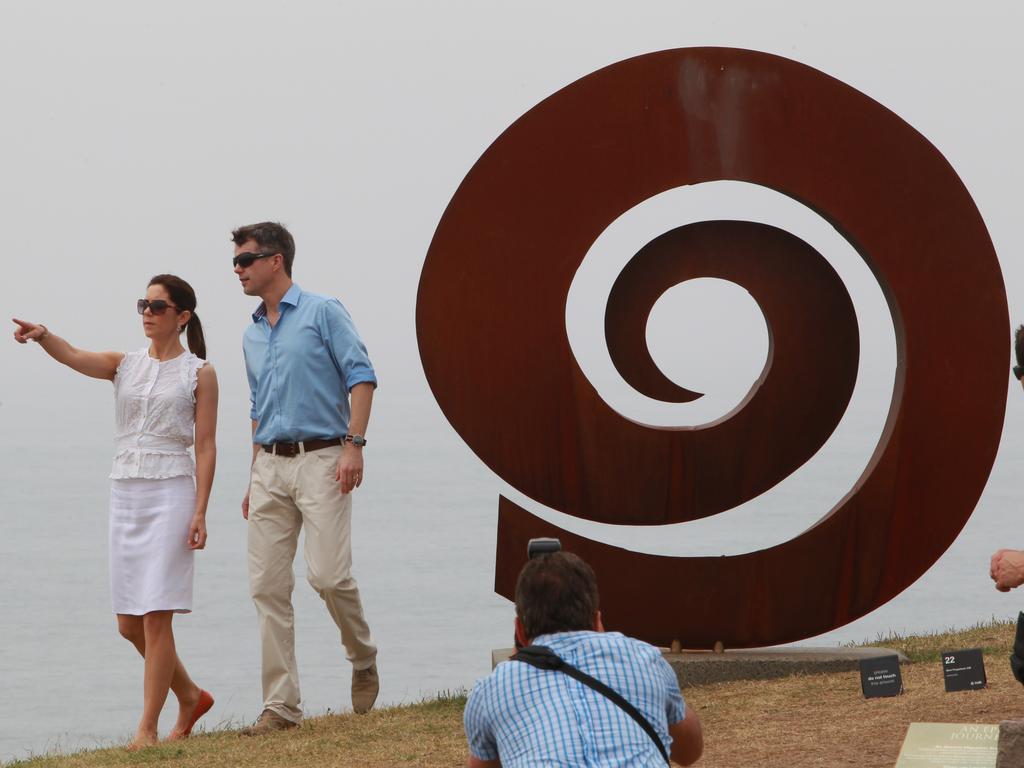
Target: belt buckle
[{"x": 288, "y": 450}]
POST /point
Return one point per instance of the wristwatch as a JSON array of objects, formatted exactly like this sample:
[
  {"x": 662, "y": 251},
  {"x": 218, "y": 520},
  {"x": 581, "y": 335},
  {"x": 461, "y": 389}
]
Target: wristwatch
[{"x": 357, "y": 440}]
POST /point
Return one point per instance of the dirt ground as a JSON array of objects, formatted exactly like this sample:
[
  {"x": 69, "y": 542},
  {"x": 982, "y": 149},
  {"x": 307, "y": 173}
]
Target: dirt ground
[{"x": 824, "y": 720}]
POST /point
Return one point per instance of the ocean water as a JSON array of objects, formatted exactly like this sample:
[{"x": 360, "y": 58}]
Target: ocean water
[
  {"x": 72, "y": 681},
  {"x": 424, "y": 531}
]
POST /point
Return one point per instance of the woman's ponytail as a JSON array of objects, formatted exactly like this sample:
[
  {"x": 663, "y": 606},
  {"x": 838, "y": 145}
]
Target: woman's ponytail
[{"x": 194, "y": 334}]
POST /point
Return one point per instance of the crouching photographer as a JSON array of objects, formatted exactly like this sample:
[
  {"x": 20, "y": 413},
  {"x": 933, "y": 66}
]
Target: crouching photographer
[{"x": 576, "y": 695}]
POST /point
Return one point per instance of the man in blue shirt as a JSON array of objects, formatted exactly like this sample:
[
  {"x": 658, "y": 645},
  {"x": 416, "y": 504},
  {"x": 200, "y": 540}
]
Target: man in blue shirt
[
  {"x": 311, "y": 386},
  {"x": 524, "y": 716}
]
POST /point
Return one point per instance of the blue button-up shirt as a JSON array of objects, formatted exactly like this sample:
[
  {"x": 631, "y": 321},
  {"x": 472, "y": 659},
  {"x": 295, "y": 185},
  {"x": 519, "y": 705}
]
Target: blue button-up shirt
[
  {"x": 301, "y": 370},
  {"x": 527, "y": 716}
]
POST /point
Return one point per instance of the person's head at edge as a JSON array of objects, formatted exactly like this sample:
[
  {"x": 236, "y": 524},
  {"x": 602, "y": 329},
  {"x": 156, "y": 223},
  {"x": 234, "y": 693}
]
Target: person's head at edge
[
  {"x": 556, "y": 592},
  {"x": 1018, "y": 349},
  {"x": 270, "y": 250}
]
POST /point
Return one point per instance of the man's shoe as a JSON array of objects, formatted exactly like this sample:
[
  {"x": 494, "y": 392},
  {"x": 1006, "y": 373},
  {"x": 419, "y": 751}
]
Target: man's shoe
[
  {"x": 365, "y": 686},
  {"x": 268, "y": 722}
]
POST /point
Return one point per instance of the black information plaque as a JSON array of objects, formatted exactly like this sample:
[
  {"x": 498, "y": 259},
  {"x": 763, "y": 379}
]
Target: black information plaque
[
  {"x": 963, "y": 670},
  {"x": 881, "y": 677}
]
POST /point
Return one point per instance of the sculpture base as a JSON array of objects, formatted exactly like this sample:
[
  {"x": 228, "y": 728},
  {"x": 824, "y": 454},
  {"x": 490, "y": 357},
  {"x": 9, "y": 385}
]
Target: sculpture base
[{"x": 704, "y": 667}]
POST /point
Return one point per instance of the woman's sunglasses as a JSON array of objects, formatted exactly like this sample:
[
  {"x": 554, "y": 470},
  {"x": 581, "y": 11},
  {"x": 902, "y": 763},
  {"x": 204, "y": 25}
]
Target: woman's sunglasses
[
  {"x": 245, "y": 260},
  {"x": 157, "y": 306}
]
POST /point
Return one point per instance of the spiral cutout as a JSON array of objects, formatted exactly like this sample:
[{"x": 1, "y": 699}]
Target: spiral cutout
[
  {"x": 794, "y": 406},
  {"x": 491, "y": 327}
]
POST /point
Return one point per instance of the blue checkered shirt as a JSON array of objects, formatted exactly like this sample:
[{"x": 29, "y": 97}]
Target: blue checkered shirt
[{"x": 533, "y": 717}]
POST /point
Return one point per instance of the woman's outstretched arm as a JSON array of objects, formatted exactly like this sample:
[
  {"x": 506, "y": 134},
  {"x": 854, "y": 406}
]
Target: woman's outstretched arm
[
  {"x": 206, "y": 452},
  {"x": 98, "y": 365}
]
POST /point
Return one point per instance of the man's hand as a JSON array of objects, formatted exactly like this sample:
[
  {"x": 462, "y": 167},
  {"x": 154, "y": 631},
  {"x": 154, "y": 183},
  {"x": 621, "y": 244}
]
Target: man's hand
[
  {"x": 476, "y": 762},
  {"x": 1007, "y": 569},
  {"x": 349, "y": 474},
  {"x": 245, "y": 506}
]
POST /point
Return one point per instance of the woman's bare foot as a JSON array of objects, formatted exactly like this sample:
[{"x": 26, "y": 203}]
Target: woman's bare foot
[{"x": 143, "y": 739}]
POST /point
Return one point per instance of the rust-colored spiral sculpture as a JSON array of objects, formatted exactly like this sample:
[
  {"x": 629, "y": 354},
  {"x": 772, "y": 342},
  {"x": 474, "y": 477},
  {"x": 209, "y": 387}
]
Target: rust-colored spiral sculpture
[{"x": 490, "y": 319}]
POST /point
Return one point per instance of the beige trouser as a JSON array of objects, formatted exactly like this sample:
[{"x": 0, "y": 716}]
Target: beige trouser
[{"x": 285, "y": 494}]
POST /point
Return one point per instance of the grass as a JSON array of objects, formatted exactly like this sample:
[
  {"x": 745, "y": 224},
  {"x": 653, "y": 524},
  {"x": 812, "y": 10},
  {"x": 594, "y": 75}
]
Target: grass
[
  {"x": 990, "y": 636},
  {"x": 428, "y": 733},
  {"x": 807, "y": 721}
]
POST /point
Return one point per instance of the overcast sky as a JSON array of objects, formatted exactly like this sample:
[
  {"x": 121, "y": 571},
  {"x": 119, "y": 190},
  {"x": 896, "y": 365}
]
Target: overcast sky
[{"x": 135, "y": 136}]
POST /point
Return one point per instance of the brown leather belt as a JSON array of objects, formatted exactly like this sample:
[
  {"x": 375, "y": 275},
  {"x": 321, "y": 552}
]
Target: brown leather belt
[{"x": 294, "y": 449}]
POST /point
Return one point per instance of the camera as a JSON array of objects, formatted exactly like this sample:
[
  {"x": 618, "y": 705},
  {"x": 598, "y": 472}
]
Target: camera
[{"x": 538, "y": 547}]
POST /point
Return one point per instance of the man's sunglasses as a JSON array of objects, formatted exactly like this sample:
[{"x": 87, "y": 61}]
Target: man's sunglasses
[
  {"x": 245, "y": 260},
  {"x": 157, "y": 306}
]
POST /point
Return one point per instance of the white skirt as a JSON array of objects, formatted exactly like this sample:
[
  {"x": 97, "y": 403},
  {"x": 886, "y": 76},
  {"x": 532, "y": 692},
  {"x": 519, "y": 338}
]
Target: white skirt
[{"x": 150, "y": 562}]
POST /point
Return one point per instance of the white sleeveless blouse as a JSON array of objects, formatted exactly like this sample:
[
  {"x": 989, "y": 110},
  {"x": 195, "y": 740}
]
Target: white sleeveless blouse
[{"x": 155, "y": 416}]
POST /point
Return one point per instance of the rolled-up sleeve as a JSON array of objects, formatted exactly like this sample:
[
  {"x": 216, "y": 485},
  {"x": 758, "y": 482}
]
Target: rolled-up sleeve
[
  {"x": 251, "y": 376},
  {"x": 675, "y": 707},
  {"x": 346, "y": 348}
]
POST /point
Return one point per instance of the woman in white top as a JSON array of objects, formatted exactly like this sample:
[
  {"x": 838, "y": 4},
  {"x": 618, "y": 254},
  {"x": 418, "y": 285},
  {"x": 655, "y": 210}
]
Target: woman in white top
[{"x": 165, "y": 399}]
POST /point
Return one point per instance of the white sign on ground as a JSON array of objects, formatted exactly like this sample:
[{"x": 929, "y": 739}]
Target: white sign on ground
[{"x": 949, "y": 745}]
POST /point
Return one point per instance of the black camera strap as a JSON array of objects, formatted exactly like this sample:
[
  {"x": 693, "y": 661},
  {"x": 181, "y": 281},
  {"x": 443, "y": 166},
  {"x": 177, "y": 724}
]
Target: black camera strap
[{"x": 542, "y": 657}]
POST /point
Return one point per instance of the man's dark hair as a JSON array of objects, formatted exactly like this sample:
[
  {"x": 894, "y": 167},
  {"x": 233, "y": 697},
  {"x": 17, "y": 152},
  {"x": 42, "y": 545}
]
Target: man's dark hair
[
  {"x": 269, "y": 236},
  {"x": 556, "y": 593}
]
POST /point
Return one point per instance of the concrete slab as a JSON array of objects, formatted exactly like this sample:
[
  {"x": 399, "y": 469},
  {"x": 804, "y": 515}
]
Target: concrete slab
[{"x": 703, "y": 667}]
